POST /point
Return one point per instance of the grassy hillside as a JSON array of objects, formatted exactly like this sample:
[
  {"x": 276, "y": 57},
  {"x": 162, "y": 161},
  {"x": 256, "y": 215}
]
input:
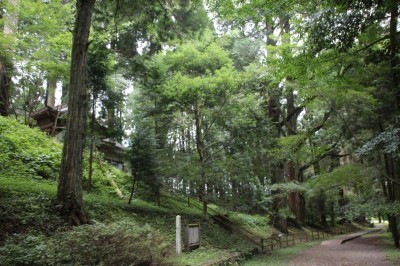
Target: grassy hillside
[{"x": 119, "y": 234}]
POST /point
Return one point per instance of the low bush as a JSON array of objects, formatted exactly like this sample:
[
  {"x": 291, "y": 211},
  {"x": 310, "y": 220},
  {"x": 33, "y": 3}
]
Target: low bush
[
  {"x": 120, "y": 243},
  {"x": 27, "y": 152}
]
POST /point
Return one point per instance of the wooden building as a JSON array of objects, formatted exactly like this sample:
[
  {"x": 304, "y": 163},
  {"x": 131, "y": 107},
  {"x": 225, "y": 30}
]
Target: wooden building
[{"x": 51, "y": 120}]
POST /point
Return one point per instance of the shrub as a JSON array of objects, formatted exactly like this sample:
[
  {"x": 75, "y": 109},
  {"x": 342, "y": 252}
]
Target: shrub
[
  {"x": 121, "y": 243},
  {"x": 103, "y": 173},
  {"x": 27, "y": 152},
  {"x": 30, "y": 154}
]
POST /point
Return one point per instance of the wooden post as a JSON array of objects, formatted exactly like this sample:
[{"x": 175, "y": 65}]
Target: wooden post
[
  {"x": 262, "y": 245},
  {"x": 287, "y": 241},
  {"x": 178, "y": 235},
  {"x": 293, "y": 239}
]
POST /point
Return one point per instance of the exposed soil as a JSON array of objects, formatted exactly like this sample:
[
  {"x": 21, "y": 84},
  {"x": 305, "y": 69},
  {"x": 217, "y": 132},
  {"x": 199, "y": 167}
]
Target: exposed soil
[{"x": 357, "y": 252}]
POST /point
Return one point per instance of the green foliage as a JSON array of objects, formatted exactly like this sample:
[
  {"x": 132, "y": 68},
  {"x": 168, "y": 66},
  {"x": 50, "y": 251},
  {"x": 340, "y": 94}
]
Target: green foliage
[
  {"x": 392, "y": 253},
  {"x": 104, "y": 174},
  {"x": 39, "y": 45},
  {"x": 143, "y": 156},
  {"x": 27, "y": 152},
  {"x": 120, "y": 243},
  {"x": 25, "y": 206},
  {"x": 200, "y": 73},
  {"x": 359, "y": 195},
  {"x": 279, "y": 257},
  {"x": 286, "y": 188},
  {"x": 44, "y": 36},
  {"x": 245, "y": 51},
  {"x": 288, "y": 147},
  {"x": 204, "y": 255},
  {"x": 386, "y": 141},
  {"x": 257, "y": 224},
  {"x": 351, "y": 175}
]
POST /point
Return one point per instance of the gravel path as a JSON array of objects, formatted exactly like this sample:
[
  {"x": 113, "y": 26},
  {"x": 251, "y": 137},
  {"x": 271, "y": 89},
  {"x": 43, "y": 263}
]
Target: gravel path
[{"x": 361, "y": 251}]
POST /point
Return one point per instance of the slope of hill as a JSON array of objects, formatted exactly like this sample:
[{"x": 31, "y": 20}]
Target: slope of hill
[{"x": 142, "y": 233}]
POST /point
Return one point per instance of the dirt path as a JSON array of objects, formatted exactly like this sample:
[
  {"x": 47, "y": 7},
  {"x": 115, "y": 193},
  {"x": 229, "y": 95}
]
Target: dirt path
[{"x": 357, "y": 252}]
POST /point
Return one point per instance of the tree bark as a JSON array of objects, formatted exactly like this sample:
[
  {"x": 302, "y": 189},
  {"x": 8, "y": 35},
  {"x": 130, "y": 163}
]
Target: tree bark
[
  {"x": 277, "y": 169},
  {"x": 394, "y": 50},
  {"x": 296, "y": 199},
  {"x": 91, "y": 148},
  {"x": 6, "y": 65},
  {"x": 5, "y": 81},
  {"x": 394, "y": 62},
  {"x": 69, "y": 193},
  {"x": 51, "y": 92},
  {"x": 202, "y": 157},
  {"x": 390, "y": 170},
  {"x": 133, "y": 187}
]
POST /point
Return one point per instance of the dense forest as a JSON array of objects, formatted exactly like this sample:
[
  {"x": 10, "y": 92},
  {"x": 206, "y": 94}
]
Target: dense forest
[{"x": 285, "y": 109}]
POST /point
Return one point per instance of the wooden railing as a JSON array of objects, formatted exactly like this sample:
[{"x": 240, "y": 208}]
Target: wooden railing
[{"x": 283, "y": 241}]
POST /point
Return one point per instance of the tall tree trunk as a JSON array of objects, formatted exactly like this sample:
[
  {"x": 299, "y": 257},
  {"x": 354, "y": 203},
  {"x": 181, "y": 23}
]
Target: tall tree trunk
[
  {"x": 69, "y": 193},
  {"x": 5, "y": 82},
  {"x": 394, "y": 50},
  {"x": 6, "y": 65},
  {"x": 133, "y": 187},
  {"x": 277, "y": 169},
  {"x": 200, "y": 145},
  {"x": 391, "y": 186},
  {"x": 395, "y": 63},
  {"x": 296, "y": 199},
  {"x": 91, "y": 148},
  {"x": 51, "y": 92}
]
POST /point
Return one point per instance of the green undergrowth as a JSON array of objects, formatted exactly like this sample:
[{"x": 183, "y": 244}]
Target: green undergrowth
[
  {"x": 279, "y": 257},
  {"x": 391, "y": 252},
  {"x": 32, "y": 234},
  {"x": 25, "y": 206},
  {"x": 120, "y": 243},
  {"x": 27, "y": 152},
  {"x": 256, "y": 224},
  {"x": 30, "y": 154}
]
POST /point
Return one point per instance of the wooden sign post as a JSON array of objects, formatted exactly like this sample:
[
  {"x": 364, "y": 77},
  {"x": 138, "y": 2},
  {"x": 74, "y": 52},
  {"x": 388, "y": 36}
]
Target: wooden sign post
[{"x": 192, "y": 236}]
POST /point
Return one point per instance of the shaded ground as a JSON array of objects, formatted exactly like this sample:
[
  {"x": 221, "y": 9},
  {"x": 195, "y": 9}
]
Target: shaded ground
[{"x": 362, "y": 251}]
